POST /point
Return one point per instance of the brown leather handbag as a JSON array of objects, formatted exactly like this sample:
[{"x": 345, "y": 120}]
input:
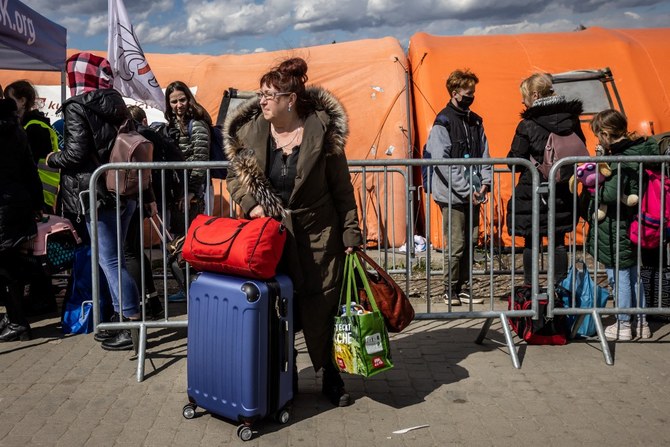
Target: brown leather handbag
[{"x": 390, "y": 298}]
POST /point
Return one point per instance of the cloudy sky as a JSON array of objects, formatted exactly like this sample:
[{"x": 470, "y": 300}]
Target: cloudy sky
[{"x": 244, "y": 26}]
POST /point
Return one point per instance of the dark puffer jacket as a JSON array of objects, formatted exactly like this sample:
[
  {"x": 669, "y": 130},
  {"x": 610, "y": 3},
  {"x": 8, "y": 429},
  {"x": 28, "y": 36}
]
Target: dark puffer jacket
[
  {"x": 614, "y": 228},
  {"x": 91, "y": 120},
  {"x": 550, "y": 114},
  {"x": 20, "y": 186}
]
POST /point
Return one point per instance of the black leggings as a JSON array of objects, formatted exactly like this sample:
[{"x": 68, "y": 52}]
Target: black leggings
[
  {"x": 14, "y": 272},
  {"x": 560, "y": 259}
]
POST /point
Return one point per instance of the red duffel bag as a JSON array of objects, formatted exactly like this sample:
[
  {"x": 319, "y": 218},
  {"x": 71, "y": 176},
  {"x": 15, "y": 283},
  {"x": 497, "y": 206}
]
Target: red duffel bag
[{"x": 249, "y": 248}]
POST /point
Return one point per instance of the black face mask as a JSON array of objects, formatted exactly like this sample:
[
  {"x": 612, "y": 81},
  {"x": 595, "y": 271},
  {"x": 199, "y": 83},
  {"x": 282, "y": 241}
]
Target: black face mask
[{"x": 465, "y": 102}]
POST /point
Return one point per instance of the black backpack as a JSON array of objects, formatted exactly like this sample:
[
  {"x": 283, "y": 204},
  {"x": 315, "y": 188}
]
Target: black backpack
[{"x": 165, "y": 149}]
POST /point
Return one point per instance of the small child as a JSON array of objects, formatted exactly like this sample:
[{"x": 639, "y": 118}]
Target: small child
[{"x": 611, "y": 129}]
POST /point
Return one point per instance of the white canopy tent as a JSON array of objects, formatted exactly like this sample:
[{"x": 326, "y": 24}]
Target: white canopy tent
[{"x": 30, "y": 41}]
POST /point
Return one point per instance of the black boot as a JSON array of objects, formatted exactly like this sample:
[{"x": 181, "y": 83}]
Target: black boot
[
  {"x": 15, "y": 332},
  {"x": 4, "y": 321},
  {"x": 103, "y": 334},
  {"x": 155, "y": 307},
  {"x": 122, "y": 341},
  {"x": 332, "y": 386}
]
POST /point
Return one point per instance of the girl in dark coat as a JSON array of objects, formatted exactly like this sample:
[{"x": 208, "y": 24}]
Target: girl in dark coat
[
  {"x": 20, "y": 207},
  {"x": 287, "y": 161},
  {"x": 545, "y": 113},
  {"x": 611, "y": 129}
]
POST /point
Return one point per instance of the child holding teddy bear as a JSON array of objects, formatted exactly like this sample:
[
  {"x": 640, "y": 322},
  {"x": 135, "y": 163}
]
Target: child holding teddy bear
[{"x": 611, "y": 230}]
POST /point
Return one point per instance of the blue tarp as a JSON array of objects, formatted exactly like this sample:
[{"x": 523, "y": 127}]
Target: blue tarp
[{"x": 29, "y": 41}]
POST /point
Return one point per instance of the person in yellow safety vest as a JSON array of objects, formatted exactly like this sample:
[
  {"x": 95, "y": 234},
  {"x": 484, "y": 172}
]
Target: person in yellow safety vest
[{"x": 41, "y": 137}]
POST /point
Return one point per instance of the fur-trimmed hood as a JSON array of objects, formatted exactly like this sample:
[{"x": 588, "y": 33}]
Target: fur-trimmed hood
[
  {"x": 554, "y": 113},
  {"x": 319, "y": 99},
  {"x": 246, "y": 132}
]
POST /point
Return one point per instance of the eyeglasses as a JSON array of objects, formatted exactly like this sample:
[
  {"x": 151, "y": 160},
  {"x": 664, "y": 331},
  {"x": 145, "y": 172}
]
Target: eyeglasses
[{"x": 270, "y": 95}]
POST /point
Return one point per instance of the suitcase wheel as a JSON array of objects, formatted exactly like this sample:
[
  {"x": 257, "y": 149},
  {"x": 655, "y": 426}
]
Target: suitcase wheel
[
  {"x": 283, "y": 416},
  {"x": 188, "y": 411},
  {"x": 244, "y": 432}
]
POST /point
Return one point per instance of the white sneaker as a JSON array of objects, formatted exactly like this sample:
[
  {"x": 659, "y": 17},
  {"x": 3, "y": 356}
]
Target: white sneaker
[
  {"x": 454, "y": 300},
  {"x": 621, "y": 330},
  {"x": 467, "y": 299},
  {"x": 642, "y": 330}
]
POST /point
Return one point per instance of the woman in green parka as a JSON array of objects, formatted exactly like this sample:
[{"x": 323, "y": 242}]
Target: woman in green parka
[
  {"x": 611, "y": 129},
  {"x": 286, "y": 152}
]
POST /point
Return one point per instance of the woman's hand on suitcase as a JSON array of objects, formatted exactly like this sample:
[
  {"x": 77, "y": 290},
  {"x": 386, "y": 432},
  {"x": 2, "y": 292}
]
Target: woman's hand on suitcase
[
  {"x": 257, "y": 212},
  {"x": 151, "y": 209}
]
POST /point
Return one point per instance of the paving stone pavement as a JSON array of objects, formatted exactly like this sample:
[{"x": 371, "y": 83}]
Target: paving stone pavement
[{"x": 67, "y": 391}]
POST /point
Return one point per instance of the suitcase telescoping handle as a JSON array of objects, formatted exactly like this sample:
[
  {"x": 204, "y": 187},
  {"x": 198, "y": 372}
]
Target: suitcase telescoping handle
[
  {"x": 281, "y": 308},
  {"x": 157, "y": 228}
]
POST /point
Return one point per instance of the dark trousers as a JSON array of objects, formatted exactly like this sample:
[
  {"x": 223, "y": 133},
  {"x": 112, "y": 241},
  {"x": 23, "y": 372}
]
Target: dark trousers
[
  {"x": 560, "y": 259},
  {"x": 14, "y": 273}
]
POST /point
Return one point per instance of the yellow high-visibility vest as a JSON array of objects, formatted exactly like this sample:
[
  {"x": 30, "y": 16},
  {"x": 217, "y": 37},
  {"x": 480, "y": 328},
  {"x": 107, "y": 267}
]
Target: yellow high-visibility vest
[{"x": 50, "y": 177}]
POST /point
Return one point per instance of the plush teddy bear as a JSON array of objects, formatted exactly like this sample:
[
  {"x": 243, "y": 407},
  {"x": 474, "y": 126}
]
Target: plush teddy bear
[{"x": 588, "y": 174}]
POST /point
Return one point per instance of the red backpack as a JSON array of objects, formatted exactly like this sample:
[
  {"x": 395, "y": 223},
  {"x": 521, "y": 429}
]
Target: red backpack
[{"x": 129, "y": 147}]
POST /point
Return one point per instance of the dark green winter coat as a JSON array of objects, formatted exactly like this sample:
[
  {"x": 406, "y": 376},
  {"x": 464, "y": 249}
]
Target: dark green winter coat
[
  {"x": 321, "y": 213},
  {"x": 609, "y": 194}
]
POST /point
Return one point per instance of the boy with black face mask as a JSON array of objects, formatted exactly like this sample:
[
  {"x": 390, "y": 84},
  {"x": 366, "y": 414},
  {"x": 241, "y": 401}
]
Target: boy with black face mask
[{"x": 458, "y": 133}]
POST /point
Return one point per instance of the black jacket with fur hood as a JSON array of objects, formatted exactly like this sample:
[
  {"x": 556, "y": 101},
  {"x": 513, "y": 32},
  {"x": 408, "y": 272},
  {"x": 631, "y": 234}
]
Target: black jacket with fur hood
[
  {"x": 321, "y": 213},
  {"x": 550, "y": 114}
]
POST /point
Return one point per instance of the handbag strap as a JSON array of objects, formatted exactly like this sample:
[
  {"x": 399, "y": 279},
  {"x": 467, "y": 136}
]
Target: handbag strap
[
  {"x": 364, "y": 279},
  {"x": 377, "y": 268},
  {"x": 345, "y": 290},
  {"x": 229, "y": 238}
]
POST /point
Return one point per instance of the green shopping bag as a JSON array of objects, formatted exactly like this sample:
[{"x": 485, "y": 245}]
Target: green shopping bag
[{"x": 360, "y": 339}]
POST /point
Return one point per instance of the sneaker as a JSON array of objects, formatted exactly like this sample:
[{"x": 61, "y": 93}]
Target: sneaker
[
  {"x": 455, "y": 301},
  {"x": 465, "y": 298},
  {"x": 642, "y": 330},
  {"x": 179, "y": 297},
  {"x": 621, "y": 331}
]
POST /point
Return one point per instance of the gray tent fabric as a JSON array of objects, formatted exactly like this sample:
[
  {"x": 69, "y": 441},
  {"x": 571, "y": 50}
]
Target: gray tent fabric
[{"x": 29, "y": 41}]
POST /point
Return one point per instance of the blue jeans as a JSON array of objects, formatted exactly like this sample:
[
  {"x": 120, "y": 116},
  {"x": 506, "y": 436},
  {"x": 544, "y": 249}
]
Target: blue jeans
[
  {"x": 626, "y": 290},
  {"x": 109, "y": 260}
]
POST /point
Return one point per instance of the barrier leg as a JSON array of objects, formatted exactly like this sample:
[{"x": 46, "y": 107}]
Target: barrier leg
[
  {"x": 603, "y": 340},
  {"x": 575, "y": 326},
  {"x": 509, "y": 338},
  {"x": 484, "y": 331},
  {"x": 141, "y": 352}
]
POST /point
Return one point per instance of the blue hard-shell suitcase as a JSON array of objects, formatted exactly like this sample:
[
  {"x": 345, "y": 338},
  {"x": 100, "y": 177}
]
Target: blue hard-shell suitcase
[{"x": 240, "y": 348}]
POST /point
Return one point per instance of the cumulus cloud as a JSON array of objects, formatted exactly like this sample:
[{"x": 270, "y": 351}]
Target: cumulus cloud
[
  {"x": 525, "y": 26},
  {"x": 95, "y": 24},
  {"x": 290, "y": 23}
]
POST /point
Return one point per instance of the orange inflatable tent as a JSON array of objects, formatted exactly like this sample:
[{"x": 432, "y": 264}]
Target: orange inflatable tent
[
  {"x": 638, "y": 65},
  {"x": 369, "y": 77}
]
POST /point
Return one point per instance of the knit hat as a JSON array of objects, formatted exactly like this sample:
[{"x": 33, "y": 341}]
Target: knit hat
[{"x": 87, "y": 72}]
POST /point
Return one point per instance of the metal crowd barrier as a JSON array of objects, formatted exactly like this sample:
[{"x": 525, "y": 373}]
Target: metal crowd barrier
[
  {"x": 379, "y": 172},
  {"x": 593, "y": 265}
]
